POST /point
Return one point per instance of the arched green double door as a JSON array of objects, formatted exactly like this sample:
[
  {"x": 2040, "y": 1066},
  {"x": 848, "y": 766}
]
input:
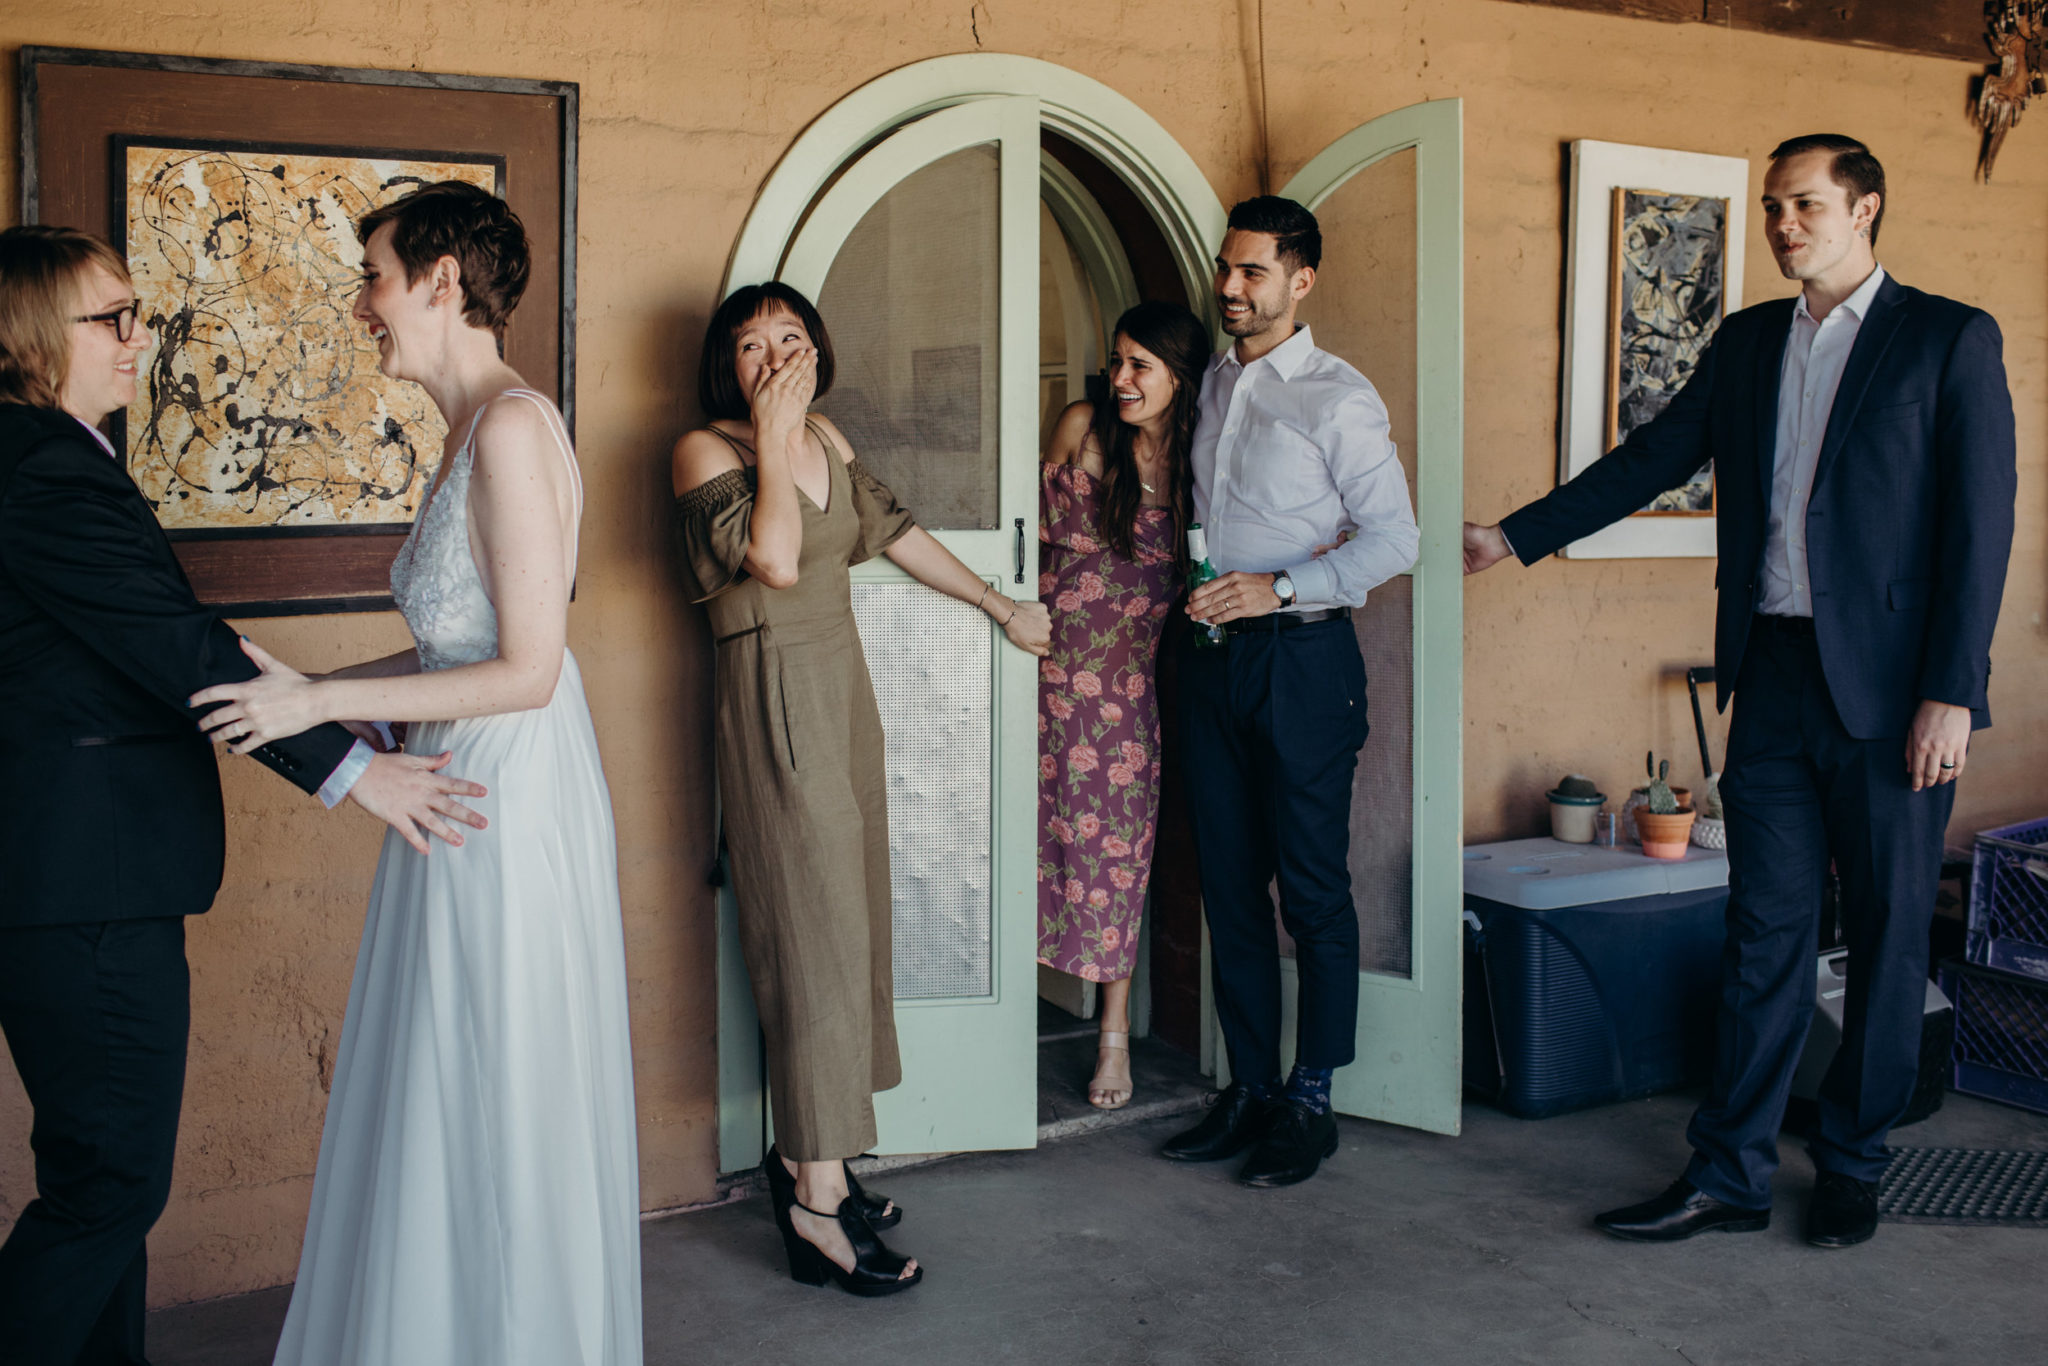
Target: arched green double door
[{"x": 912, "y": 213}]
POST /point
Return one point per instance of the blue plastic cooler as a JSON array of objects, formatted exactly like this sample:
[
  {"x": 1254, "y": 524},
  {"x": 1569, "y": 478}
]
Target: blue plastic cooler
[{"x": 1592, "y": 974}]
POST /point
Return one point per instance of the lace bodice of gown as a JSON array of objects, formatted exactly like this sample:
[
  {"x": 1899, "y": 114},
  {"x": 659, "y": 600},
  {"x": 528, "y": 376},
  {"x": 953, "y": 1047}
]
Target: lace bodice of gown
[{"x": 434, "y": 579}]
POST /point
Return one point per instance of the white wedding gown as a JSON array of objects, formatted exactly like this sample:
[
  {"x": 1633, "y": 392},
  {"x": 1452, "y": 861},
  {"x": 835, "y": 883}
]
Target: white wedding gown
[{"x": 477, "y": 1199}]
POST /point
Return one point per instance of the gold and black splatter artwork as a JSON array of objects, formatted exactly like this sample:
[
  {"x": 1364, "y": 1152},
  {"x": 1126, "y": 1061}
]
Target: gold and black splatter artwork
[
  {"x": 1670, "y": 264},
  {"x": 264, "y": 406}
]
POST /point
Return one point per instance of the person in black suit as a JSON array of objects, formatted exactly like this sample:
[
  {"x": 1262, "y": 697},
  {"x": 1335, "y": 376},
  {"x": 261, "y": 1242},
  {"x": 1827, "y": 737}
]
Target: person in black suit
[
  {"x": 1862, "y": 440},
  {"x": 111, "y": 825}
]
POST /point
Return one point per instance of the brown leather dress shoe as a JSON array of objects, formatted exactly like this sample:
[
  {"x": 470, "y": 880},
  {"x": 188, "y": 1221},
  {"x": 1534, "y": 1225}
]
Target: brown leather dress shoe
[
  {"x": 1680, "y": 1212},
  {"x": 1843, "y": 1211}
]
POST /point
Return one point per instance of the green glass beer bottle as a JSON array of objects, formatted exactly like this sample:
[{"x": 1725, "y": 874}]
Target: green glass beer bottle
[{"x": 1207, "y": 635}]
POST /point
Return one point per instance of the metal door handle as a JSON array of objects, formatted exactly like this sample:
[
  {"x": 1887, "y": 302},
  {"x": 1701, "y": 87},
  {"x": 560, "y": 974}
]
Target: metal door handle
[{"x": 1020, "y": 550}]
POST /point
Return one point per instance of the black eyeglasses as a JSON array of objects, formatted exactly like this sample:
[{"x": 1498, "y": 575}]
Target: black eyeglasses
[{"x": 121, "y": 319}]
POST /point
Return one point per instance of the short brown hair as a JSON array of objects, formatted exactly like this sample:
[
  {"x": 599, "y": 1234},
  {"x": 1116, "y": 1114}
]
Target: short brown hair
[
  {"x": 718, "y": 379},
  {"x": 42, "y": 271},
  {"x": 479, "y": 230},
  {"x": 1853, "y": 168}
]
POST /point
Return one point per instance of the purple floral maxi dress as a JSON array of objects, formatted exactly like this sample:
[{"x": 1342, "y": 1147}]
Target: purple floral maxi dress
[{"x": 1098, "y": 727}]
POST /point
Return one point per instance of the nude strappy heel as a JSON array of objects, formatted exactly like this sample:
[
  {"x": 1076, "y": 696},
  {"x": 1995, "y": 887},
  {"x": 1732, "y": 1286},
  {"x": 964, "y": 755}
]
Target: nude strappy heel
[{"x": 1107, "y": 1090}]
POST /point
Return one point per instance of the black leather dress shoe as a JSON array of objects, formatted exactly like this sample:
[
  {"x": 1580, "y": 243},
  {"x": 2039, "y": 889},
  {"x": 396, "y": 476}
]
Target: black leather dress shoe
[
  {"x": 1680, "y": 1212},
  {"x": 1292, "y": 1149},
  {"x": 1843, "y": 1211},
  {"x": 1235, "y": 1122}
]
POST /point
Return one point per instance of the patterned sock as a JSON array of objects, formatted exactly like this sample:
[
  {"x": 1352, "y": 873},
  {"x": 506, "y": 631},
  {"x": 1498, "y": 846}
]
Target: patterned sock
[
  {"x": 1309, "y": 1087},
  {"x": 1267, "y": 1090}
]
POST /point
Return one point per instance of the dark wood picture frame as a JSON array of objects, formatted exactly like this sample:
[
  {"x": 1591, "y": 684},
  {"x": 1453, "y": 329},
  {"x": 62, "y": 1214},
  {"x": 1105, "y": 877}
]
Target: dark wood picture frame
[{"x": 78, "y": 107}]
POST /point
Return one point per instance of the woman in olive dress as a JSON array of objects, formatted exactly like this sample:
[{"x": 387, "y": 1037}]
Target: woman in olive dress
[{"x": 772, "y": 510}]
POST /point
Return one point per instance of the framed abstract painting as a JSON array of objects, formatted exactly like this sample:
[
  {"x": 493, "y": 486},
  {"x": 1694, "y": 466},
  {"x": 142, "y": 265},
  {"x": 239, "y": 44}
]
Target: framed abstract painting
[
  {"x": 284, "y": 466},
  {"x": 1655, "y": 263}
]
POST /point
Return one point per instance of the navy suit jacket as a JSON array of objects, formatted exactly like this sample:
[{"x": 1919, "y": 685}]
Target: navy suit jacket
[
  {"x": 109, "y": 795},
  {"x": 1910, "y": 521}
]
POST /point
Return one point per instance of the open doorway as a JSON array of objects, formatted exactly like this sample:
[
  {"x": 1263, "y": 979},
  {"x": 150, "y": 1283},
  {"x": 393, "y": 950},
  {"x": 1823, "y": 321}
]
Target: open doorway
[{"x": 1100, "y": 252}]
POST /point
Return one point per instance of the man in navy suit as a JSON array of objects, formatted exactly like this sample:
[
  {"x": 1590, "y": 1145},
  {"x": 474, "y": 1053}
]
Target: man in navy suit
[{"x": 1862, "y": 435}]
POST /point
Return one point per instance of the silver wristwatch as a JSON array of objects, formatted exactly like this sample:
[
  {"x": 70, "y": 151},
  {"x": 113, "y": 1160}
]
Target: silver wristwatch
[{"x": 1283, "y": 588}]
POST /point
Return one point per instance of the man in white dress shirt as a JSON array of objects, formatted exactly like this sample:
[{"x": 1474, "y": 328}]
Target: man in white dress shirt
[
  {"x": 1862, "y": 438},
  {"x": 1306, "y": 510}
]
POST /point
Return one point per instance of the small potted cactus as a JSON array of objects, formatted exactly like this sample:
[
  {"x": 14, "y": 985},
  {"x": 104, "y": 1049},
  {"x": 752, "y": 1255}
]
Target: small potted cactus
[
  {"x": 1664, "y": 823},
  {"x": 1640, "y": 798},
  {"x": 1573, "y": 804},
  {"x": 1709, "y": 831}
]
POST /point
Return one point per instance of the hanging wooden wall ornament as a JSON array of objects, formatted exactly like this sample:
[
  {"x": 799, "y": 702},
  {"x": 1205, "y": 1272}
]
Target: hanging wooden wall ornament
[{"x": 2016, "y": 31}]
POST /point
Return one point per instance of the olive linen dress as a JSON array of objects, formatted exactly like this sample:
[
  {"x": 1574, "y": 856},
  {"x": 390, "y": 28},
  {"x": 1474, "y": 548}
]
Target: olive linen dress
[{"x": 801, "y": 779}]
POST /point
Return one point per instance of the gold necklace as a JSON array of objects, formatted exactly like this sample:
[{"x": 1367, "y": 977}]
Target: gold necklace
[{"x": 1135, "y": 465}]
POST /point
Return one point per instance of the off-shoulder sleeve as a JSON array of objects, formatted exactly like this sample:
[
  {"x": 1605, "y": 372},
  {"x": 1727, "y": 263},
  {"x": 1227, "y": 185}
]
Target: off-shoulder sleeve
[
  {"x": 712, "y": 524},
  {"x": 883, "y": 521}
]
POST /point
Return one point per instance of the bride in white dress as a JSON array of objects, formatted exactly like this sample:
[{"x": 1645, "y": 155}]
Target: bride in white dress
[{"x": 477, "y": 1198}]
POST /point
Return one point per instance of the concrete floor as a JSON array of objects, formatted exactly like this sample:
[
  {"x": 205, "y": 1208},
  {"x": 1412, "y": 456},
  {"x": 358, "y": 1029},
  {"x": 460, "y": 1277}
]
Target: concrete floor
[{"x": 1408, "y": 1248}]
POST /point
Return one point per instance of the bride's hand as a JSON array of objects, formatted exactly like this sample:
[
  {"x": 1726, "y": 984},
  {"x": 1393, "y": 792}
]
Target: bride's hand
[{"x": 276, "y": 703}]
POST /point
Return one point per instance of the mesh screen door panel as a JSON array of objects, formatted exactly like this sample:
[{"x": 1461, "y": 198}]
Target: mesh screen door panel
[
  {"x": 912, "y": 305},
  {"x": 929, "y": 658}
]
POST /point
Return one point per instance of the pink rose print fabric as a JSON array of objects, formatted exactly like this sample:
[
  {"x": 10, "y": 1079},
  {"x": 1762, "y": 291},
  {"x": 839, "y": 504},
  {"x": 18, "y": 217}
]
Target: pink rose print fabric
[{"x": 1098, "y": 727}]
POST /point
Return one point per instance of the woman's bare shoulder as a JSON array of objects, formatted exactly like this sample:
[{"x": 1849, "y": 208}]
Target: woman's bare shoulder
[
  {"x": 699, "y": 457},
  {"x": 835, "y": 440},
  {"x": 516, "y": 432},
  {"x": 1073, "y": 439}
]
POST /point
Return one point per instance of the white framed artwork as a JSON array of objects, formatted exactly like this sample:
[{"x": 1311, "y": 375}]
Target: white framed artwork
[{"x": 1654, "y": 263}]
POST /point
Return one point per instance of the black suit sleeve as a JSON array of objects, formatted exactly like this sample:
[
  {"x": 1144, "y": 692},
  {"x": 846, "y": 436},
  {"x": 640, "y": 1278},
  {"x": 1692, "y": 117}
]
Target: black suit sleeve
[
  {"x": 79, "y": 540},
  {"x": 1976, "y": 484},
  {"x": 1659, "y": 455}
]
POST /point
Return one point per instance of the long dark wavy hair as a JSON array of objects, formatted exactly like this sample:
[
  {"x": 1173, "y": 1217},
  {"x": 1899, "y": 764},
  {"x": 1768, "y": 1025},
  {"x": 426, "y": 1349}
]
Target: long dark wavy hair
[{"x": 1177, "y": 337}]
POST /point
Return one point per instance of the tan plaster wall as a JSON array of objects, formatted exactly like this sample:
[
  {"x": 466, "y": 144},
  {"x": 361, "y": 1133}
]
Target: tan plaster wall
[{"x": 686, "y": 107}]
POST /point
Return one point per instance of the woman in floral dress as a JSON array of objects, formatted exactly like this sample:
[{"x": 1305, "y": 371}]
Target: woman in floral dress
[{"x": 1116, "y": 498}]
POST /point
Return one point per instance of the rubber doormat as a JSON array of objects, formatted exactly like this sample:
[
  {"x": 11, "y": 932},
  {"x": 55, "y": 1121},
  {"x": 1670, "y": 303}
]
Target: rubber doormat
[{"x": 1965, "y": 1186}]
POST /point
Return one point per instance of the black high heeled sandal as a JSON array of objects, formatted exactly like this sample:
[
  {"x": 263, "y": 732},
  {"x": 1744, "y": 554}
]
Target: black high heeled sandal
[
  {"x": 874, "y": 1206},
  {"x": 876, "y": 1270}
]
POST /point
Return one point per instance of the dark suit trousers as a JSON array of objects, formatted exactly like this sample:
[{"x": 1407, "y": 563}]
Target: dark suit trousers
[
  {"x": 96, "y": 1017},
  {"x": 1799, "y": 791},
  {"x": 1271, "y": 726}
]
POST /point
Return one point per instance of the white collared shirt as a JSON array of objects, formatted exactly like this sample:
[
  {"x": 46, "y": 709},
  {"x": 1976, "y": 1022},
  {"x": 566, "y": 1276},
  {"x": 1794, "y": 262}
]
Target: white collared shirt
[
  {"x": 97, "y": 435},
  {"x": 353, "y": 764},
  {"x": 1816, "y": 354},
  {"x": 1291, "y": 452}
]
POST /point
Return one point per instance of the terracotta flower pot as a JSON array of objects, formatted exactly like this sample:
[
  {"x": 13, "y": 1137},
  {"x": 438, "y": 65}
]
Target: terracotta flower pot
[
  {"x": 1639, "y": 799},
  {"x": 1664, "y": 836}
]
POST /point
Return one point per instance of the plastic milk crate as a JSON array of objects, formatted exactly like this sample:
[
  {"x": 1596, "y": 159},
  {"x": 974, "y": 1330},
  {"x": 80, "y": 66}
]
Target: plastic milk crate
[
  {"x": 1591, "y": 974},
  {"x": 2008, "y": 927},
  {"x": 2001, "y": 1047}
]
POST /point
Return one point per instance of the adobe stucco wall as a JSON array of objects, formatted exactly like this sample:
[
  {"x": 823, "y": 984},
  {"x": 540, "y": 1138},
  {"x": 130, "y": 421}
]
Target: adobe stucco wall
[{"x": 686, "y": 107}]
